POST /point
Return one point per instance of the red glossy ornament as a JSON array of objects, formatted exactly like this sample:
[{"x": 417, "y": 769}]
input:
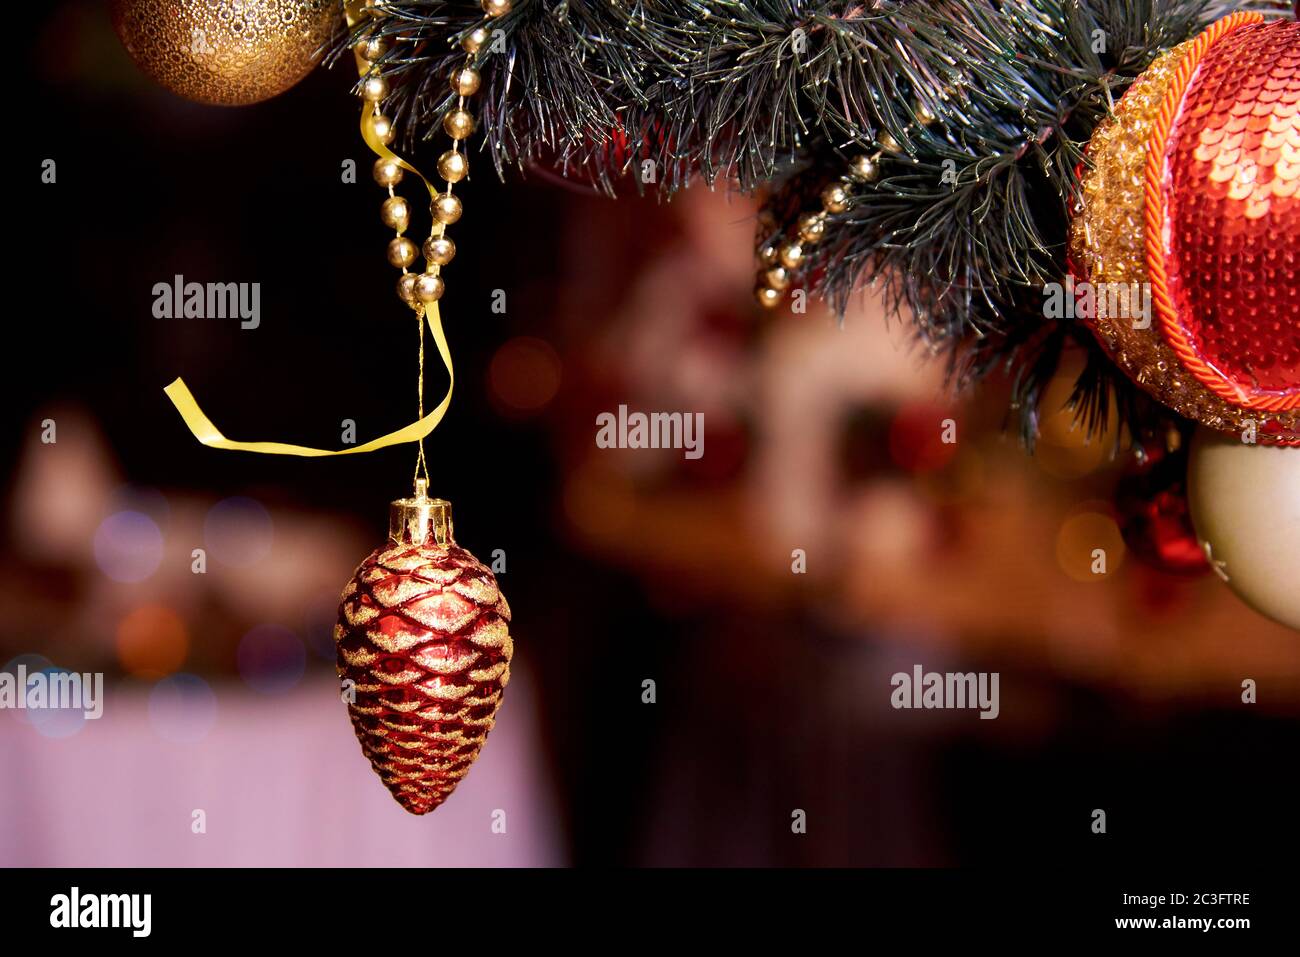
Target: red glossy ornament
[
  {"x": 1154, "y": 516},
  {"x": 424, "y": 653}
]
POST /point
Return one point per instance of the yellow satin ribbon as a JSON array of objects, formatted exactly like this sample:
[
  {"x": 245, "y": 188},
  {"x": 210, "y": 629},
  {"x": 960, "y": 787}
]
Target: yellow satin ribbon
[{"x": 211, "y": 436}]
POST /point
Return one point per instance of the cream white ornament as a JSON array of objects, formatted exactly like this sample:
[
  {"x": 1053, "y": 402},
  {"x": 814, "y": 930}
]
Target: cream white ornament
[{"x": 1245, "y": 502}]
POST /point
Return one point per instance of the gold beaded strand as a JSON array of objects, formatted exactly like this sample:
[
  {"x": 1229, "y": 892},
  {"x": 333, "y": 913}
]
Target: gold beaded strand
[
  {"x": 423, "y": 289},
  {"x": 377, "y": 131},
  {"x": 446, "y": 208},
  {"x": 782, "y": 258}
]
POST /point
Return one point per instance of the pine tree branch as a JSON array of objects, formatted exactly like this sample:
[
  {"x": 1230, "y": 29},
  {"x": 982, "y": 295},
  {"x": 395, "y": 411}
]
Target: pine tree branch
[{"x": 963, "y": 226}]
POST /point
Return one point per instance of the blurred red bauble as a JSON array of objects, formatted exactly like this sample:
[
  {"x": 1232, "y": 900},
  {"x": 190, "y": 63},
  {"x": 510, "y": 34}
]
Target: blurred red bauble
[
  {"x": 1154, "y": 516},
  {"x": 424, "y": 652},
  {"x": 922, "y": 437}
]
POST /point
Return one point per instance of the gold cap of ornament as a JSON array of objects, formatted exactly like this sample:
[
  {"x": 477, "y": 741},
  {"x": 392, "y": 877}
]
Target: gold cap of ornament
[{"x": 420, "y": 520}]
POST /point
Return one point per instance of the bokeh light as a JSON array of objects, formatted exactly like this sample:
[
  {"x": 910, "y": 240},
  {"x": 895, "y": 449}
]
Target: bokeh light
[
  {"x": 182, "y": 708},
  {"x": 1065, "y": 451},
  {"x": 524, "y": 375},
  {"x": 1064, "y": 448},
  {"x": 238, "y": 531},
  {"x": 152, "y": 641},
  {"x": 33, "y": 663},
  {"x": 271, "y": 659},
  {"x": 60, "y": 722},
  {"x": 1089, "y": 547},
  {"x": 128, "y": 546}
]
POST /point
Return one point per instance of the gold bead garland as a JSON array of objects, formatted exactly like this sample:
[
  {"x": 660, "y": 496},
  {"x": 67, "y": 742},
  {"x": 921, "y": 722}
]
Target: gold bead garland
[
  {"x": 782, "y": 257},
  {"x": 421, "y": 291},
  {"x": 453, "y": 165}
]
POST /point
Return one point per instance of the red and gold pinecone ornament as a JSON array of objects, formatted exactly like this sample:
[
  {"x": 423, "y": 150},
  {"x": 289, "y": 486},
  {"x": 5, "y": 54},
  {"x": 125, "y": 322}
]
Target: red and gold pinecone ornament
[
  {"x": 1193, "y": 194},
  {"x": 423, "y": 638}
]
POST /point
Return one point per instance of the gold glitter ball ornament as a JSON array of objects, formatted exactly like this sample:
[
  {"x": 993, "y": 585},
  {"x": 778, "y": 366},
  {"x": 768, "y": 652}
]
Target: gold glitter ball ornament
[{"x": 225, "y": 52}]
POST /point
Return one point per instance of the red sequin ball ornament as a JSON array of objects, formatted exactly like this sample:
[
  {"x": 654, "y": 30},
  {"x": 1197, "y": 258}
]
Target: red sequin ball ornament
[
  {"x": 424, "y": 654},
  {"x": 1231, "y": 238},
  {"x": 1188, "y": 229}
]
